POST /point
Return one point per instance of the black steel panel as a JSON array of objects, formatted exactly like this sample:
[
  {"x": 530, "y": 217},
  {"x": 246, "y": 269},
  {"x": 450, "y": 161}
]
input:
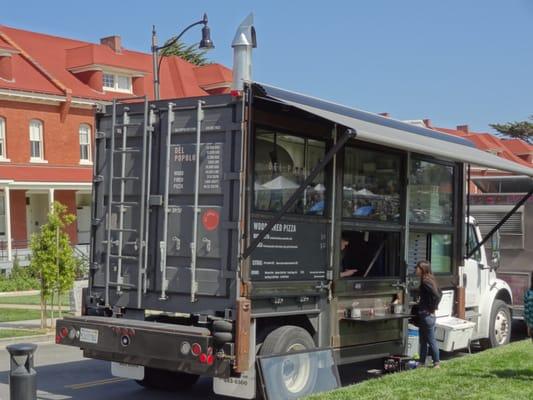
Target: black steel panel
[
  {"x": 217, "y": 223},
  {"x": 293, "y": 250},
  {"x": 182, "y": 166}
]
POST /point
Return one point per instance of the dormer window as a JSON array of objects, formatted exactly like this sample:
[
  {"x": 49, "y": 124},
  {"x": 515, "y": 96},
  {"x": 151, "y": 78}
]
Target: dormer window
[{"x": 117, "y": 83}]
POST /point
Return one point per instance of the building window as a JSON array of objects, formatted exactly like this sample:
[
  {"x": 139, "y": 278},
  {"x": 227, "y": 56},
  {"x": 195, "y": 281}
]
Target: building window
[
  {"x": 2, "y": 139},
  {"x": 36, "y": 140},
  {"x": 282, "y": 163},
  {"x": 117, "y": 83},
  {"x": 371, "y": 187},
  {"x": 85, "y": 143}
]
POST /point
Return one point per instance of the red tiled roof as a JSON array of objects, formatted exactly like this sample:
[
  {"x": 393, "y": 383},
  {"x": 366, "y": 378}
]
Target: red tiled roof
[
  {"x": 51, "y": 58},
  {"x": 487, "y": 142},
  {"x": 518, "y": 146},
  {"x": 40, "y": 173}
]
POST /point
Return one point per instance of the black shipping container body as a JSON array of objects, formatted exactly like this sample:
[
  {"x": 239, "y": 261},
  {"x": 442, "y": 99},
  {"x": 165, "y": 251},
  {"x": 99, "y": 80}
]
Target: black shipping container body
[{"x": 128, "y": 273}]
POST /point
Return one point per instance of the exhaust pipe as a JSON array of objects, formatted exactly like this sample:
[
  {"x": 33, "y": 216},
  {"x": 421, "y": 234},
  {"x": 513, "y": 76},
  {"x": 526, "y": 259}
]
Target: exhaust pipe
[{"x": 243, "y": 43}]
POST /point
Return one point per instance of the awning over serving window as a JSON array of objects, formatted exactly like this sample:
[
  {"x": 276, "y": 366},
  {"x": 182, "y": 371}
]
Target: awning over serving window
[{"x": 373, "y": 128}]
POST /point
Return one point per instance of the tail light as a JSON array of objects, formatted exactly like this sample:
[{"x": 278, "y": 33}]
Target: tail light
[
  {"x": 63, "y": 332},
  {"x": 210, "y": 359},
  {"x": 203, "y": 358},
  {"x": 196, "y": 349}
]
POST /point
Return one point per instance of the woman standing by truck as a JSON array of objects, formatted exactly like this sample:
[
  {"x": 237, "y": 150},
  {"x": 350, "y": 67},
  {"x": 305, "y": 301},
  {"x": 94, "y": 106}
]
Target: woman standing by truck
[{"x": 429, "y": 300}]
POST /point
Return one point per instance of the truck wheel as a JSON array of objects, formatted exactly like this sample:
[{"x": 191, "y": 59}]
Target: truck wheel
[
  {"x": 163, "y": 379},
  {"x": 295, "y": 377},
  {"x": 500, "y": 326}
]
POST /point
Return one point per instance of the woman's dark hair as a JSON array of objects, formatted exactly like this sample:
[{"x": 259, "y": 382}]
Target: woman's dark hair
[{"x": 427, "y": 275}]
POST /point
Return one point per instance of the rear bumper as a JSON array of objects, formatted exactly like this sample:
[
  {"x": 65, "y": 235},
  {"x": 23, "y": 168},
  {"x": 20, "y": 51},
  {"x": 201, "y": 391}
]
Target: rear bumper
[{"x": 151, "y": 344}]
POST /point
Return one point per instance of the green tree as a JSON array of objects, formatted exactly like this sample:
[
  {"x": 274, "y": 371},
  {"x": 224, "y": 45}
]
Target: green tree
[
  {"x": 53, "y": 261},
  {"x": 519, "y": 130},
  {"x": 190, "y": 53}
]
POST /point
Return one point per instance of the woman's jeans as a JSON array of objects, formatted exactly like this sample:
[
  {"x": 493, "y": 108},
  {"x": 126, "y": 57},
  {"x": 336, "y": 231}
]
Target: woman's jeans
[{"x": 427, "y": 338}]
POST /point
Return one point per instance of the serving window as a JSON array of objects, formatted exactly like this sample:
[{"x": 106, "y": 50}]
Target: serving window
[
  {"x": 371, "y": 185},
  {"x": 370, "y": 254},
  {"x": 282, "y": 162}
]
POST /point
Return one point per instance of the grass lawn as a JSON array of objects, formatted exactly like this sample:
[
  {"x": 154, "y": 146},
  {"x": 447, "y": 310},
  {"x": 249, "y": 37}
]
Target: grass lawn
[
  {"x": 17, "y": 314},
  {"x": 502, "y": 373},
  {"x": 33, "y": 299},
  {"x": 7, "y": 333}
]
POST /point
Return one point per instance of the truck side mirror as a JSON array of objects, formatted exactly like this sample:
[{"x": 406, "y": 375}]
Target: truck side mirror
[{"x": 495, "y": 247}]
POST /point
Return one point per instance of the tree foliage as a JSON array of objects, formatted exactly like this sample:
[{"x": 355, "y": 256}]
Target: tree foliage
[
  {"x": 53, "y": 261},
  {"x": 519, "y": 130},
  {"x": 191, "y": 53}
]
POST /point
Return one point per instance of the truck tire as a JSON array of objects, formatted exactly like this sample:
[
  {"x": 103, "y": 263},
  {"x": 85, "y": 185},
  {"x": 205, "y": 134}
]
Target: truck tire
[
  {"x": 499, "y": 326},
  {"x": 170, "y": 381},
  {"x": 293, "y": 378}
]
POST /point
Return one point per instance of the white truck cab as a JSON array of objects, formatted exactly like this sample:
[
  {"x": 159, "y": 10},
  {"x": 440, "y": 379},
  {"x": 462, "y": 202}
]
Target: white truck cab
[{"x": 487, "y": 298}]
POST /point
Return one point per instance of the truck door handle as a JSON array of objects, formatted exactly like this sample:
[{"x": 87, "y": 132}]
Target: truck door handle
[
  {"x": 178, "y": 242},
  {"x": 207, "y": 244}
]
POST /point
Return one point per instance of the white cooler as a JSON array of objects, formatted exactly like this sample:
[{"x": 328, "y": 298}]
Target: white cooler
[{"x": 453, "y": 333}]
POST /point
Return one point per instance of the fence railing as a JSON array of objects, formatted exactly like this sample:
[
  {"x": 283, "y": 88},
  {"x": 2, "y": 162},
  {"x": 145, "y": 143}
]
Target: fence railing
[{"x": 20, "y": 250}]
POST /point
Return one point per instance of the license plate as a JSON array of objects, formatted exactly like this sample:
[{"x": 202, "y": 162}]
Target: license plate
[
  {"x": 89, "y": 335},
  {"x": 127, "y": 371}
]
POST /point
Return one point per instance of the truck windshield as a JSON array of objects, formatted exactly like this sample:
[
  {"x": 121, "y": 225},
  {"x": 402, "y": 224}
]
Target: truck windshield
[{"x": 282, "y": 162}]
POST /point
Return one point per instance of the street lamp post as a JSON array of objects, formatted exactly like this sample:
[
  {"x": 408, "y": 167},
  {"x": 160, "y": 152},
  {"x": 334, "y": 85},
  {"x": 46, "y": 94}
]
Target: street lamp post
[{"x": 205, "y": 43}]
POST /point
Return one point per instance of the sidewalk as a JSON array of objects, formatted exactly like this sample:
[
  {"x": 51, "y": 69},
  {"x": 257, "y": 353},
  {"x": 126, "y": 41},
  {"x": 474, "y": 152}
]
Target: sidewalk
[
  {"x": 31, "y": 307},
  {"x": 29, "y": 324}
]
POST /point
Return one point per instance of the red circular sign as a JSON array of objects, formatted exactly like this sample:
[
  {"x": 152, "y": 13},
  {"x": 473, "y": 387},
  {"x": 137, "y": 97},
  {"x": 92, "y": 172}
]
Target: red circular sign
[{"x": 210, "y": 220}]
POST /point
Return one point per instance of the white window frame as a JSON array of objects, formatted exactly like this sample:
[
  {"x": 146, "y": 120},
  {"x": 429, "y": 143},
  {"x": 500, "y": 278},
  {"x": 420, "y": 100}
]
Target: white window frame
[
  {"x": 3, "y": 147},
  {"x": 85, "y": 140},
  {"x": 39, "y": 138},
  {"x": 115, "y": 87}
]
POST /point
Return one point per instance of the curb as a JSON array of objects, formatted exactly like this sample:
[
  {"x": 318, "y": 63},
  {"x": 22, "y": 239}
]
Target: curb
[
  {"x": 48, "y": 338},
  {"x": 20, "y": 293}
]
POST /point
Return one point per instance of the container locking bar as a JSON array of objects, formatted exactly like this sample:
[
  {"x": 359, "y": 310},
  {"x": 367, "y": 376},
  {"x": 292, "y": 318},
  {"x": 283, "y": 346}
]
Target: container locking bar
[
  {"x": 348, "y": 134},
  {"x": 194, "y": 244},
  {"x": 499, "y": 224},
  {"x": 163, "y": 243}
]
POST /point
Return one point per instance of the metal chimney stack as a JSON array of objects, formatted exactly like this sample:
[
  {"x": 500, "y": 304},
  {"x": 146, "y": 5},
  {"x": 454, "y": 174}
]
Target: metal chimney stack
[{"x": 242, "y": 44}]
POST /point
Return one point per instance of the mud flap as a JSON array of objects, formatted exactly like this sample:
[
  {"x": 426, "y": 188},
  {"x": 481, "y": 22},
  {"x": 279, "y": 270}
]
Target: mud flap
[{"x": 244, "y": 386}]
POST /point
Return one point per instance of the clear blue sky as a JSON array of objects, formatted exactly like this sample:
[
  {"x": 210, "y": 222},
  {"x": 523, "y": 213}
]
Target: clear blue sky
[{"x": 454, "y": 61}]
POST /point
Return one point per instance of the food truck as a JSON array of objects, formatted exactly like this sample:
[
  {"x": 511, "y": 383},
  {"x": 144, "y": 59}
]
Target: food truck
[{"x": 216, "y": 239}]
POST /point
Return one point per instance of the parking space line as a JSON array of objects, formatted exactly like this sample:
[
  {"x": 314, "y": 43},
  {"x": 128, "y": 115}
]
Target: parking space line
[{"x": 100, "y": 382}]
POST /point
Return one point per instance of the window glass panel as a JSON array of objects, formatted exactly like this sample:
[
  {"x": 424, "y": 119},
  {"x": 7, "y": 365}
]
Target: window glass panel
[
  {"x": 441, "y": 253},
  {"x": 371, "y": 185},
  {"x": 123, "y": 82},
  {"x": 35, "y": 149},
  {"x": 431, "y": 193},
  {"x": 85, "y": 135},
  {"x": 473, "y": 242},
  {"x": 417, "y": 250},
  {"x": 2, "y": 137},
  {"x": 36, "y": 135},
  {"x": 2, "y": 214},
  {"x": 282, "y": 163},
  {"x": 109, "y": 81}
]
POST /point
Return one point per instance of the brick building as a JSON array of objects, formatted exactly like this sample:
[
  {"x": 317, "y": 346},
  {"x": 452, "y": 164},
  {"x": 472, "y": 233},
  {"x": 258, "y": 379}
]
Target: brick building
[{"x": 49, "y": 89}]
